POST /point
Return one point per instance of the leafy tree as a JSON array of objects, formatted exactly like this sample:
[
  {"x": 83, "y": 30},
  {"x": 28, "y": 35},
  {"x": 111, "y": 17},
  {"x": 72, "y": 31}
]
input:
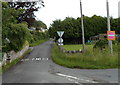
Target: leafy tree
[
  {"x": 16, "y": 33},
  {"x": 92, "y": 25},
  {"x": 39, "y": 25},
  {"x": 29, "y": 9},
  {"x": 9, "y": 14},
  {"x": 56, "y": 26},
  {"x": 115, "y": 25}
]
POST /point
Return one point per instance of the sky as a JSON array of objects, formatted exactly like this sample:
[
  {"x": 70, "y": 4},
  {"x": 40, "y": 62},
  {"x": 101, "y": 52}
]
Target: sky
[{"x": 60, "y": 9}]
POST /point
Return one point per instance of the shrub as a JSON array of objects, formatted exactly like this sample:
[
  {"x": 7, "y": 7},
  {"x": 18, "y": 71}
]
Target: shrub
[
  {"x": 101, "y": 44},
  {"x": 17, "y": 34},
  {"x": 37, "y": 36}
]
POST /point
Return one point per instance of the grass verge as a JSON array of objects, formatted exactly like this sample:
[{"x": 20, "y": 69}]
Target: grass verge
[
  {"x": 14, "y": 62},
  {"x": 75, "y": 47},
  {"x": 38, "y": 42},
  {"x": 90, "y": 60}
]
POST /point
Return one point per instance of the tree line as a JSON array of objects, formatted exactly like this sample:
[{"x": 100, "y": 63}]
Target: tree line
[{"x": 72, "y": 27}]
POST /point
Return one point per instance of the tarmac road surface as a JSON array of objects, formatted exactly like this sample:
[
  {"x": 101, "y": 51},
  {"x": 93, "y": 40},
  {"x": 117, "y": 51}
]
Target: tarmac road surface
[{"x": 37, "y": 67}]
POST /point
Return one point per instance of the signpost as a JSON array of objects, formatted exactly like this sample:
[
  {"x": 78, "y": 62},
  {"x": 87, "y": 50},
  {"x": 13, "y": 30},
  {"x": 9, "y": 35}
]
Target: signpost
[
  {"x": 60, "y": 33},
  {"x": 60, "y": 40},
  {"x": 108, "y": 24}
]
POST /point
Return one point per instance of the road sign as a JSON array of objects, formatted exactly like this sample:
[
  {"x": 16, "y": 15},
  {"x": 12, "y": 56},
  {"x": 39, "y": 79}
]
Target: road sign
[
  {"x": 111, "y": 35},
  {"x": 60, "y": 33},
  {"x": 60, "y": 40},
  {"x": 60, "y": 43}
]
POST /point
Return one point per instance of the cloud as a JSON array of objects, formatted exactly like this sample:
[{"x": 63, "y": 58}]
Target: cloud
[{"x": 59, "y": 9}]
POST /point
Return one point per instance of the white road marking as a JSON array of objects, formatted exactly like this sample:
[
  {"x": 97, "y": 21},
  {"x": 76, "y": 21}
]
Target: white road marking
[
  {"x": 46, "y": 58},
  {"x": 36, "y": 59},
  {"x": 43, "y": 58},
  {"x": 33, "y": 58},
  {"x": 75, "y": 78},
  {"x": 25, "y": 59}
]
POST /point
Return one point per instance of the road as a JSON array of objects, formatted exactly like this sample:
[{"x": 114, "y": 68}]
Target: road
[{"x": 37, "y": 67}]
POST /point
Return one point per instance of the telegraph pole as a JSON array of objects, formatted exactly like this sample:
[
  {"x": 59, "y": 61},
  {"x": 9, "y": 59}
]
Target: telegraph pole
[
  {"x": 108, "y": 24},
  {"x": 82, "y": 26}
]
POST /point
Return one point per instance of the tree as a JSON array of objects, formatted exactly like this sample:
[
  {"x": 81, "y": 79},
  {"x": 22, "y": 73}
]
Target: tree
[
  {"x": 39, "y": 24},
  {"x": 56, "y": 26},
  {"x": 115, "y": 25},
  {"x": 93, "y": 26},
  {"x": 29, "y": 9},
  {"x": 16, "y": 33},
  {"x": 10, "y": 15}
]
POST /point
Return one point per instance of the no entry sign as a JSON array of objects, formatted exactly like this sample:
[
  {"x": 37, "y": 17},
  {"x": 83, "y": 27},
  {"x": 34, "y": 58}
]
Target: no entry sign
[{"x": 111, "y": 35}]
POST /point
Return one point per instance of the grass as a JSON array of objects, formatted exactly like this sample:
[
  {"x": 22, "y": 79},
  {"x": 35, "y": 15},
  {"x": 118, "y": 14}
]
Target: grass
[
  {"x": 75, "y": 47},
  {"x": 38, "y": 42},
  {"x": 91, "y": 59},
  {"x": 14, "y": 62},
  {"x": 72, "y": 47}
]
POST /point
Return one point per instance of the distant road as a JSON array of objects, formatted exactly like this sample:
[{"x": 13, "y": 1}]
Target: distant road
[{"x": 37, "y": 67}]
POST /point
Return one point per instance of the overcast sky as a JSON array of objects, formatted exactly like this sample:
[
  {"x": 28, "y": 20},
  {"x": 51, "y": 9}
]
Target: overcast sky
[{"x": 59, "y": 9}]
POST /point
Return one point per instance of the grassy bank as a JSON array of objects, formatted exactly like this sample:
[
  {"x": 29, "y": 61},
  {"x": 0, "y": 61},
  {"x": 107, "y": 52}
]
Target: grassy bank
[
  {"x": 14, "y": 62},
  {"x": 92, "y": 59},
  {"x": 38, "y": 42}
]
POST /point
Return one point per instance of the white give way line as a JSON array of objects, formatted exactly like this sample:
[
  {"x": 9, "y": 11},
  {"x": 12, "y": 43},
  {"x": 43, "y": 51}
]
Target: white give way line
[
  {"x": 72, "y": 78},
  {"x": 35, "y": 59}
]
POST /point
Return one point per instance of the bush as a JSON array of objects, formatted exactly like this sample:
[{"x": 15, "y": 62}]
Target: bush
[
  {"x": 101, "y": 44},
  {"x": 17, "y": 34},
  {"x": 37, "y": 36}
]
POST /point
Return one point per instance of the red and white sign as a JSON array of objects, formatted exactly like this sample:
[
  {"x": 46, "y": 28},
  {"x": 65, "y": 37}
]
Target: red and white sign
[{"x": 111, "y": 35}]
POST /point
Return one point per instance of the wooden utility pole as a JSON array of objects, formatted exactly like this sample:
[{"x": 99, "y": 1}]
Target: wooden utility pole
[{"x": 82, "y": 26}]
